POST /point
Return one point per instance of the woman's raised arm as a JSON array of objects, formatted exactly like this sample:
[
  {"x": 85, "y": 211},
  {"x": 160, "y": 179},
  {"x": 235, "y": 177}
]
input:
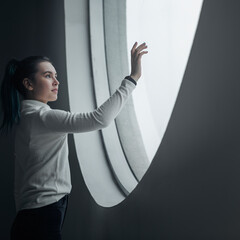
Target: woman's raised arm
[{"x": 67, "y": 122}]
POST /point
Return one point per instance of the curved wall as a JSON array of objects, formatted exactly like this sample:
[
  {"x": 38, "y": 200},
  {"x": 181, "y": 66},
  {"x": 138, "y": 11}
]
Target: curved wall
[
  {"x": 104, "y": 163},
  {"x": 90, "y": 148}
]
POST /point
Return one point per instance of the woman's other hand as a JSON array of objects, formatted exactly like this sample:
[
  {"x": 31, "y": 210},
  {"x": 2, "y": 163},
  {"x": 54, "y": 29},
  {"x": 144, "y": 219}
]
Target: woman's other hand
[{"x": 136, "y": 55}]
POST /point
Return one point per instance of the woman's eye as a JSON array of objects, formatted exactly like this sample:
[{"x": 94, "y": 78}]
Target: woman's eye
[{"x": 49, "y": 76}]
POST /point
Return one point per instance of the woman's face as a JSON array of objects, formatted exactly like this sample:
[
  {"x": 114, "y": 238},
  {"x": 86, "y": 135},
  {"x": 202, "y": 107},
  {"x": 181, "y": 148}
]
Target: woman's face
[{"x": 44, "y": 88}]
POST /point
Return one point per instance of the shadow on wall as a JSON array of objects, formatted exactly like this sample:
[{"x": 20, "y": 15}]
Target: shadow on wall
[
  {"x": 6, "y": 179},
  {"x": 29, "y": 28}
]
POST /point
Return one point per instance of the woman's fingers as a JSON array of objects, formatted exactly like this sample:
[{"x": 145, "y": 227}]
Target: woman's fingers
[
  {"x": 134, "y": 47},
  {"x": 135, "y": 51},
  {"x": 140, "y": 54},
  {"x": 140, "y": 47}
]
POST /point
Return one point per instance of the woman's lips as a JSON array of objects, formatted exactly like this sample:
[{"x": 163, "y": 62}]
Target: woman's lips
[{"x": 55, "y": 90}]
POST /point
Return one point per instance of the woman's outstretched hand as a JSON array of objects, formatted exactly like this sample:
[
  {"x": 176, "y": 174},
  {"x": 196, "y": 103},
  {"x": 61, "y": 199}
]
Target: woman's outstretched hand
[{"x": 136, "y": 55}]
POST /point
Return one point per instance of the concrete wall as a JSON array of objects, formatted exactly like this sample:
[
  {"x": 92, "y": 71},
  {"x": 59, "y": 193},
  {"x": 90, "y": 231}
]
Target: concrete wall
[{"x": 191, "y": 190}]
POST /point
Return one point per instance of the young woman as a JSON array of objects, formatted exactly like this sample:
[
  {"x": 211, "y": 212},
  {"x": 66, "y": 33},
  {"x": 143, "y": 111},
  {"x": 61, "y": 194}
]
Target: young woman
[{"x": 42, "y": 174}]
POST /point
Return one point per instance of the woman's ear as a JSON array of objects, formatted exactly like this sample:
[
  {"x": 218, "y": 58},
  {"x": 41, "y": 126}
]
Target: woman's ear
[{"x": 27, "y": 83}]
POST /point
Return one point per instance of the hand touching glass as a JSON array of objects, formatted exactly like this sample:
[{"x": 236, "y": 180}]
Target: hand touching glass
[{"x": 136, "y": 55}]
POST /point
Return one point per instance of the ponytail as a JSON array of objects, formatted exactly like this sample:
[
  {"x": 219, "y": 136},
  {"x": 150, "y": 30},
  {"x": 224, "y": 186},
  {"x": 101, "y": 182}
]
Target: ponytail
[
  {"x": 10, "y": 97},
  {"x": 12, "y": 87}
]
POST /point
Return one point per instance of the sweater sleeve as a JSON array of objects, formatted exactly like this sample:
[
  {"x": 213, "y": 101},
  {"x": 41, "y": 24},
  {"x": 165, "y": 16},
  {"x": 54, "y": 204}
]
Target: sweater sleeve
[{"x": 69, "y": 122}]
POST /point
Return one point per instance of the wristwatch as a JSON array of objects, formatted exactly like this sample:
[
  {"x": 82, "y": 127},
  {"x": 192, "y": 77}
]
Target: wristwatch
[{"x": 131, "y": 79}]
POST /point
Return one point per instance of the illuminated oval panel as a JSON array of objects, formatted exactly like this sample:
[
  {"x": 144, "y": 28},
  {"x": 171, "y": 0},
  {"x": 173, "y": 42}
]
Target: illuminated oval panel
[{"x": 168, "y": 27}]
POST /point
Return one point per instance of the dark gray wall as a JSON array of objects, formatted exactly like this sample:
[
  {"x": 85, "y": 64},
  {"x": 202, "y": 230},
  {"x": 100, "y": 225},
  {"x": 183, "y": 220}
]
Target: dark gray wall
[
  {"x": 28, "y": 28},
  {"x": 191, "y": 190}
]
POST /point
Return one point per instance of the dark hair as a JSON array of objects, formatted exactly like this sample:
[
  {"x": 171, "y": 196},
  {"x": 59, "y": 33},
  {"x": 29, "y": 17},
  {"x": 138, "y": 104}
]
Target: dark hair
[{"x": 12, "y": 85}]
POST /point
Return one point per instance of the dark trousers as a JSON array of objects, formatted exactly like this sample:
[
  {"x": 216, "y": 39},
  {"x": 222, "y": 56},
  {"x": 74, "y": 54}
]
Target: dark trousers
[{"x": 40, "y": 223}]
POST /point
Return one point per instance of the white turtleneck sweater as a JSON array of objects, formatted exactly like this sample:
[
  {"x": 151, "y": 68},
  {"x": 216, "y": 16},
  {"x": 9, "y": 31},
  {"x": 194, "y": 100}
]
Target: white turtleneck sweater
[{"x": 42, "y": 173}]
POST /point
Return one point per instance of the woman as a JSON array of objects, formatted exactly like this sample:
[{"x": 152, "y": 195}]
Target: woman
[{"x": 42, "y": 174}]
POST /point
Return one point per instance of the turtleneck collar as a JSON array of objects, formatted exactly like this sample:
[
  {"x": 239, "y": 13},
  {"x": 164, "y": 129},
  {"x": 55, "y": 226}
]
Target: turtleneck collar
[{"x": 30, "y": 102}]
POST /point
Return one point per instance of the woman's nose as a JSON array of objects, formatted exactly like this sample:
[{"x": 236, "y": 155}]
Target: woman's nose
[{"x": 56, "y": 82}]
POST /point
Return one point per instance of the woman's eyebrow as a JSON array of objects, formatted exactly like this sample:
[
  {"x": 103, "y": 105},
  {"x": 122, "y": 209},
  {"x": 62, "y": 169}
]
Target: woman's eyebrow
[{"x": 49, "y": 72}]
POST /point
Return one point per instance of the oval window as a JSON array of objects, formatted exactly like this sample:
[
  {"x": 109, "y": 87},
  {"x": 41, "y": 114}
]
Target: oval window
[{"x": 168, "y": 27}]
